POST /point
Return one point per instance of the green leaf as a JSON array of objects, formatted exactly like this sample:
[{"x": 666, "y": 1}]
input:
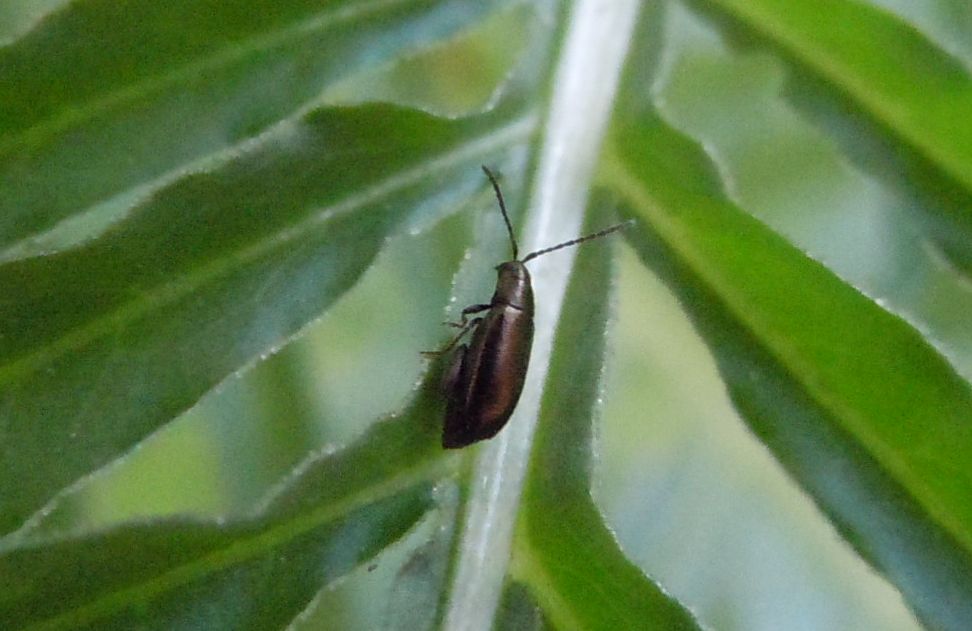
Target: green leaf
[
  {"x": 104, "y": 343},
  {"x": 223, "y": 201},
  {"x": 889, "y": 72},
  {"x": 564, "y": 552},
  {"x": 894, "y": 73},
  {"x": 333, "y": 513},
  {"x": 100, "y": 98},
  {"x": 862, "y": 411}
]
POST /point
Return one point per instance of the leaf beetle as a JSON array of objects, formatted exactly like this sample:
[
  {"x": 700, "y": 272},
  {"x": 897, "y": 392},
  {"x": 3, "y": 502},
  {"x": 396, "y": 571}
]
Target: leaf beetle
[{"x": 483, "y": 380}]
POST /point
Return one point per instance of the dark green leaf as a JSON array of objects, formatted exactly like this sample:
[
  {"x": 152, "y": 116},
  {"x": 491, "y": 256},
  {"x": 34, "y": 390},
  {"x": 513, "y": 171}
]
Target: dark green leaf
[
  {"x": 102, "y": 97},
  {"x": 102, "y": 344},
  {"x": 333, "y": 513}
]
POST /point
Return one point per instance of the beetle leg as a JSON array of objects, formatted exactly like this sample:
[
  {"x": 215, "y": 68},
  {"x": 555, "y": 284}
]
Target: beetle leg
[
  {"x": 466, "y": 312},
  {"x": 465, "y": 329}
]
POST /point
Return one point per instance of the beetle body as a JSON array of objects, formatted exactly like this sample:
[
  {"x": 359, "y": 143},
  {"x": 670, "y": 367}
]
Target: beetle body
[{"x": 483, "y": 382}]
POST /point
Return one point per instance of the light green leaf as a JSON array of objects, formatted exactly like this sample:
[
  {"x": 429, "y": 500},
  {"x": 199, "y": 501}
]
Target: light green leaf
[
  {"x": 564, "y": 552},
  {"x": 217, "y": 200},
  {"x": 887, "y": 71},
  {"x": 894, "y": 73},
  {"x": 853, "y": 401}
]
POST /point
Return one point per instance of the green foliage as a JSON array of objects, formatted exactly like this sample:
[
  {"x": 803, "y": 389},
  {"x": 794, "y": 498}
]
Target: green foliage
[
  {"x": 564, "y": 549},
  {"x": 187, "y": 188}
]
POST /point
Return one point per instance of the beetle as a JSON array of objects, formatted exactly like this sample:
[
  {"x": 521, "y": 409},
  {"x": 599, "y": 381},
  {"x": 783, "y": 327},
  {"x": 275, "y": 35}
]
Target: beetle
[{"x": 483, "y": 380}]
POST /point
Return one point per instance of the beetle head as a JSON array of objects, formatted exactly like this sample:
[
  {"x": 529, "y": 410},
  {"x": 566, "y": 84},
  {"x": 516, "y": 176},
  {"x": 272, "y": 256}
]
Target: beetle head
[{"x": 513, "y": 285}]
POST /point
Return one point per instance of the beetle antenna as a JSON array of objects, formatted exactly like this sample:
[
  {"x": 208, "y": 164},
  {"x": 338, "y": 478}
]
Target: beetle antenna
[
  {"x": 502, "y": 205},
  {"x": 565, "y": 244}
]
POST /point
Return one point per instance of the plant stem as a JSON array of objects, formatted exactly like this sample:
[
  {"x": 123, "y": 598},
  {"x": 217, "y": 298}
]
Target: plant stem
[{"x": 589, "y": 68}]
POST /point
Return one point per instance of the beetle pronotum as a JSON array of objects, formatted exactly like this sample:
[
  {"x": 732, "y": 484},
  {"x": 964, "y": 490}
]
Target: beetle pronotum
[{"x": 483, "y": 381}]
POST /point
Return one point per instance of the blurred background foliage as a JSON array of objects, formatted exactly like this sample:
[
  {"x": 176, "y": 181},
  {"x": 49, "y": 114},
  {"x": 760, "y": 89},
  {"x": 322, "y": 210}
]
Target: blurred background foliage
[{"x": 694, "y": 498}]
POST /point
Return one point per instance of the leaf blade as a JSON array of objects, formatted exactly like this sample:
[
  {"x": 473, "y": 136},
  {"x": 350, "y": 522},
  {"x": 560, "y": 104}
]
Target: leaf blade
[
  {"x": 565, "y": 552},
  {"x": 332, "y": 513},
  {"x": 83, "y": 124},
  {"x": 115, "y": 338},
  {"x": 893, "y": 73},
  {"x": 821, "y": 373}
]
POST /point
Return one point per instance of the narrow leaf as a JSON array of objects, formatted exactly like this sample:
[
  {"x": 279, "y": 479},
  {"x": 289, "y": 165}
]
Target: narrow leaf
[
  {"x": 564, "y": 552},
  {"x": 890, "y": 70},
  {"x": 103, "y": 97},
  {"x": 862, "y": 411},
  {"x": 915, "y": 96},
  {"x": 101, "y": 345},
  {"x": 336, "y": 511}
]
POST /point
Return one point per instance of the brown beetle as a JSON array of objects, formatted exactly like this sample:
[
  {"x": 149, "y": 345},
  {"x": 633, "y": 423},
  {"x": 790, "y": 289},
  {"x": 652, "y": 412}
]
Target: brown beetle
[{"x": 484, "y": 379}]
